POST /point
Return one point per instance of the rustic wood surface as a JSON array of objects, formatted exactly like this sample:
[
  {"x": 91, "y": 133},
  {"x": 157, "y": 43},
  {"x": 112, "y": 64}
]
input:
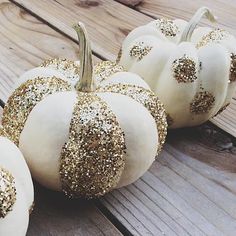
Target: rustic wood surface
[{"x": 190, "y": 190}]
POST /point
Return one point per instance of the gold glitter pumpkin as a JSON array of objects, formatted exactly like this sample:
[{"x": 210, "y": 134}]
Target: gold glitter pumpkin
[
  {"x": 16, "y": 189},
  {"x": 193, "y": 71},
  {"x": 85, "y": 131}
]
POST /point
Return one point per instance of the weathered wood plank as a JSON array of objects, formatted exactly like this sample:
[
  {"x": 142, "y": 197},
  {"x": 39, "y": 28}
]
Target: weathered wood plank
[
  {"x": 107, "y": 21},
  {"x": 24, "y": 43},
  {"x": 116, "y": 20}
]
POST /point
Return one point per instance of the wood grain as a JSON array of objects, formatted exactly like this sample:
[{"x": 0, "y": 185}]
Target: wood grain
[
  {"x": 24, "y": 43},
  {"x": 116, "y": 20}
]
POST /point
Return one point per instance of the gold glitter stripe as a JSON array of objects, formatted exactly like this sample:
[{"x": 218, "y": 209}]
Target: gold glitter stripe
[
  {"x": 2, "y": 132},
  {"x": 148, "y": 99},
  {"x": 67, "y": 67},
  {"x": 92, "y": 160},
  {"x": 139, "y": 50},
  {"x": 7, "y": 192},
  {"x": 167, "y": 27},
  {"x": 214, "y": 36},
  {"x": 105, "y": 69},
  {"x": 23, "y": 100},
  {"x": 202, "y": 102}
]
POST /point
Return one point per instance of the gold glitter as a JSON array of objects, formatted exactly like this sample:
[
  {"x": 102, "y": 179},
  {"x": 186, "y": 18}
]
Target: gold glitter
[
  {"x": 67, "y": 67},
  {"x": 184, "y": 70},
  {"x": 31, "y": 208},
  {"x": 214, "y": 36},
  {"x": 7, "y": 192},
  {"x": 23, "y": 100},
  {"x": 2, "y": 132},
  {"x": 203, "y": 102},
  {"x": 105, "y": 69},
  {"x": 222, "y": 109},
  {"x": 92, "y": 161},
  {"x": 119, "y": 56},
  {"x": 139, "y": 50},
  {"x": 169, "y": 119},
  {"x": 167, "y": 27},
  {"x": 232, "y": 76},
  {"x": 148, "y": 99}
]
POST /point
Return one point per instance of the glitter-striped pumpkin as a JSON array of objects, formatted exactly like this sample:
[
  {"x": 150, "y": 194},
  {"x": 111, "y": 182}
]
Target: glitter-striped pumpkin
[
  {"x": 16, "y": 189},
  {"x": 84, "y": 132},
  {"x": 193, "y": 71}
]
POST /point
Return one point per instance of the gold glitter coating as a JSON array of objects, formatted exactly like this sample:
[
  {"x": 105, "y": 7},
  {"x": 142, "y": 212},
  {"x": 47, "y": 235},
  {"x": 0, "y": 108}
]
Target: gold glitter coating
[
  {"x": 169, "y": 119},
  {"x": 105, "y": 69},
  {"x": 222, "y": 109},
  {"x": 7, "y": 192},
  {"x": 67, "y": 67},
  {"x": 184, "y": 70},
  {"x": 232, "y": 76},
  {"x": 2, "y": 132},
  {"x": 167, "y": 27},
  {"x": 23, "y": 100},
  {"x": 119, "y": 56},
  {"x": 214, "y": 36},
  {"x": 139, "y": 50},
  {"x": 31, "y": 209},
  {"x": 149, "y": 100},
  {"x": 203, "y": 102},
  {"x": 92, "y": 160}
]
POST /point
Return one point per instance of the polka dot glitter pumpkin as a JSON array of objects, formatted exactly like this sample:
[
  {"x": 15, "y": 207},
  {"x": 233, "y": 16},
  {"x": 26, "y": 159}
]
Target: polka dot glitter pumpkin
[
  {"x": 193, "y": 70},
  {"x": 16, "y": 189},
  {"x": 84, "y": 131}
]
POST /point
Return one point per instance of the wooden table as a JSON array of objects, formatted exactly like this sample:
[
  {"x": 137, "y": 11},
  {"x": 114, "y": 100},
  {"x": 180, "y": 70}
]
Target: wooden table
[{"x": 191, "y": 189}]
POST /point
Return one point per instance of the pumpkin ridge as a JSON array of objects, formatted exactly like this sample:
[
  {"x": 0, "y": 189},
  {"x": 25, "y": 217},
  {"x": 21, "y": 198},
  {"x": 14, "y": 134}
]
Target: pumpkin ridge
[
  {"x": 92, "y": 160},
  {"x": 149, "y": 100},
  {"x": 24, "y": 99}
]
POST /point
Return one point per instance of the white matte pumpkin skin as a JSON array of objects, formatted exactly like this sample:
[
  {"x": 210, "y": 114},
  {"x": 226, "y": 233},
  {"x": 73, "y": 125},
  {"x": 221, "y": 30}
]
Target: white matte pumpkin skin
[
  {"x": 156, "y": 69},
  {"x": 42, "y": 144},
  {"x": 13, "y": 161}
]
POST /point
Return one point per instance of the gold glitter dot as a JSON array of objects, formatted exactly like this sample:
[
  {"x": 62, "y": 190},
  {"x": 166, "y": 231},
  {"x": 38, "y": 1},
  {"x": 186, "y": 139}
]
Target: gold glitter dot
[
  {"x": 232, "y": 76},
  {"x": 214, "y": 36},
  {"x": 167, "y": 27},
  {"x": 148, "y": 99},
  {"x": 184, "y": 70},
  {"x": 203, "y": 102},
  {"x": 105, "y": 69},
  {"x": 119, "y": 56},
  {"x": 139, "y": 50},
  {"x": 222, "y": 109},
  {"x": 7, "y": 192},
  {"x": 23, "y": 100},
  {"x": 92, "y": 161},
  {"x": 66, "y": 67},
  {"x": 170, "y": 120}
]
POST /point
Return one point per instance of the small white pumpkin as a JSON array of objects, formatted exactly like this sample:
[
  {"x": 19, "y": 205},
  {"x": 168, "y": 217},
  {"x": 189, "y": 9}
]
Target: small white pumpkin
[
  {"x": 16, "y": 189},
  {"x": 79, "y": 137},
  {"x": 193, "y": 71}
]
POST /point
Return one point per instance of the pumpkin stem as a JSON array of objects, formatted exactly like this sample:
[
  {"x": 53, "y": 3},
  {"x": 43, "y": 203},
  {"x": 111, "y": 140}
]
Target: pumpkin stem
[
  {"x": 203, "y": 11},
  {"x": 86, "y": 82}
]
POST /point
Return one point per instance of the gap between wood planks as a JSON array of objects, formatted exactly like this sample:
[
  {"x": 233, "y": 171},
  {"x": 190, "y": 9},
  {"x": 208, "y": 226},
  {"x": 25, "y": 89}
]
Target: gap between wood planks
[{"x": 154, "y": 204}]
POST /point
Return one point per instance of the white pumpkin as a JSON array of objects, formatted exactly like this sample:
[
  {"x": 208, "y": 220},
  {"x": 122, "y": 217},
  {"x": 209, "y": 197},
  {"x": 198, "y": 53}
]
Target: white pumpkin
[
  {"x": 16, "y": 189},
  {"x": 81, "y": 137},
  {"x": 193, "y": 71}
]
